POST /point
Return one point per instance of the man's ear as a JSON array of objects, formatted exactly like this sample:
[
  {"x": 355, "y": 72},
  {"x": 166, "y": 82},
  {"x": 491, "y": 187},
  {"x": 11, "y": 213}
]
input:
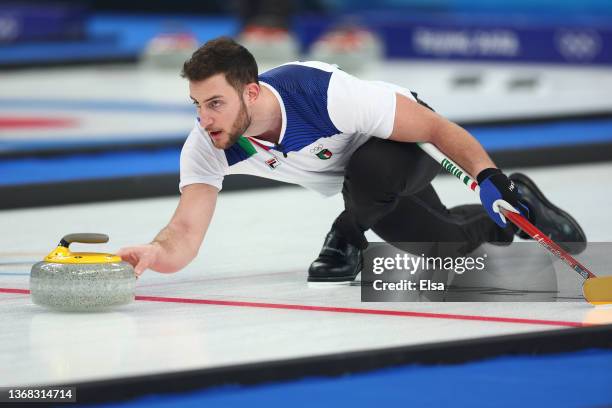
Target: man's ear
[{"x": 251, "y": 92}]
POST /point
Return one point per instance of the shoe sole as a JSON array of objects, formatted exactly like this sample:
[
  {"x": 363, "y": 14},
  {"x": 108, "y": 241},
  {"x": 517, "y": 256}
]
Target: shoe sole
[
  {"x": 329, "y": 284},
  {"x": 335, "y": 280},
  {"x": 523, "y": 179}
]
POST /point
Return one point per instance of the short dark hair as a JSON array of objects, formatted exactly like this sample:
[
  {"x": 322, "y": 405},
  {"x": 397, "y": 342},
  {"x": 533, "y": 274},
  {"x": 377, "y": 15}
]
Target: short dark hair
[{"x": 222, "y": 55}]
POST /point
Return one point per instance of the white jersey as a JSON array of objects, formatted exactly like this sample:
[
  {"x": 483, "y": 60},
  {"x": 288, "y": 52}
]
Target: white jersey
[{"x": 326, "y": 115}]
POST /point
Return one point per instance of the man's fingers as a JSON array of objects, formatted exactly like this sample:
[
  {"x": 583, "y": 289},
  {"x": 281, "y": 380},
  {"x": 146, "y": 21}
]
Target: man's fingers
[
  {"x": 130, "y": 255},
  {"x": 506, "y": 206},
  {"x": 130, "y": 258},
  {"x": 142, "y": 265},
  {"x": 499, "y": 205},
  {"x": 141, "y": 257},
  {"x": 125, "y": 253}
]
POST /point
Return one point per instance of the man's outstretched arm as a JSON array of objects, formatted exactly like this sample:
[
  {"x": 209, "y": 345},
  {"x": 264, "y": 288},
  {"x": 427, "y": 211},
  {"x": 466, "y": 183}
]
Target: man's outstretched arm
[
  {"x": 178, "y": 243},
  {"x": 416, "y": 123}
]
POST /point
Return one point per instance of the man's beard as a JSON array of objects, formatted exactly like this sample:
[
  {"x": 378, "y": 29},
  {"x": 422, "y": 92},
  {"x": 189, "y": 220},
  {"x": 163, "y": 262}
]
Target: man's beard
[{"x": 240, "y": 125}]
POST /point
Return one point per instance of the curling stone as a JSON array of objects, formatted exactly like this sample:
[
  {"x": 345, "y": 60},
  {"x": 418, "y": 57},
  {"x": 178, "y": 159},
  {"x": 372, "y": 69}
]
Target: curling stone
[
  {"x": 82, "y": 281},
  {"x": 270, "y": 46},
  {"x": 169, "y": 50},
  {"x": 352, "y": 48}
]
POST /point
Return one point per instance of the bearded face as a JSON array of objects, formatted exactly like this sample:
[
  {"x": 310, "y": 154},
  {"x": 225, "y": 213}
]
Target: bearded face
[
  {"x": 239, "y": 126},
  {"x": 222, "y": 111}
]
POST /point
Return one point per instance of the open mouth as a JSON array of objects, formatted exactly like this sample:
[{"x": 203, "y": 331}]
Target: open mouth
[{"x": 215, "y": 134}]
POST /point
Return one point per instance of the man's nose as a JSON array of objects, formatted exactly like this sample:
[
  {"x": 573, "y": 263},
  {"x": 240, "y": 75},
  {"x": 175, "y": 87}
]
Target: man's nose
[{"x": 205, "y": 121}]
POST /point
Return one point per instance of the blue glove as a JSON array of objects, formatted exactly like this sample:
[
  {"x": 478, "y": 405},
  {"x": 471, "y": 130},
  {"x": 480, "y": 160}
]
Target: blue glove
[{"x": 497, "y": 192}]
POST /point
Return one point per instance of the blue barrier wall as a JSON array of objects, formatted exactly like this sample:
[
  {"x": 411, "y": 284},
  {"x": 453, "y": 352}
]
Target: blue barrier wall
[
  {"x": 479, "y": 37},
  {"x": 536, "y": 7}
]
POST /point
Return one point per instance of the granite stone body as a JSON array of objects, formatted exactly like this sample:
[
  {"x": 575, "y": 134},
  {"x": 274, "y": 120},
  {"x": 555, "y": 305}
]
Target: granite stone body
[{"x": 82, "y": 287}]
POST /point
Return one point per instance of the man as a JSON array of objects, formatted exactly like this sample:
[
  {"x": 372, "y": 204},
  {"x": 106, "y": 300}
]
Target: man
[{"x": 312, "y": 124}]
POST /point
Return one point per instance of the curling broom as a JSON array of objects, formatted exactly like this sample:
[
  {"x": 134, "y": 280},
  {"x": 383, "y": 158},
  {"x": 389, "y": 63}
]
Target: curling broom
[{"x": 596, "y": 290}]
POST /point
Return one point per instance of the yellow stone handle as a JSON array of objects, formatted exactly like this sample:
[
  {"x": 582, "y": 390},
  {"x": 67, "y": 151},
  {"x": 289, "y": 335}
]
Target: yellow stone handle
[{"x": 62, "y": 253}]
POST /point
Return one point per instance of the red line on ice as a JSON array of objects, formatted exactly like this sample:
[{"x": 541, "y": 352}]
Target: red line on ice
[{"x": 352, "y": 310}]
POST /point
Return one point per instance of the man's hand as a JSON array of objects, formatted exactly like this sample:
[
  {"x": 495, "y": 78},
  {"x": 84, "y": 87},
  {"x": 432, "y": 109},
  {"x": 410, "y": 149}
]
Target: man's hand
[
  {"x": 141, "y": 257},
  {"x": 177, "y": 243},
  {"x": 497, "y": 192}
]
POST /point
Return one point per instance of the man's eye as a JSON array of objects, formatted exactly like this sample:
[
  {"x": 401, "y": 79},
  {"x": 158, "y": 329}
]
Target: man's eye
[
  {"x": 195, "y": 103},
  {"x": 214, "y": 104}
]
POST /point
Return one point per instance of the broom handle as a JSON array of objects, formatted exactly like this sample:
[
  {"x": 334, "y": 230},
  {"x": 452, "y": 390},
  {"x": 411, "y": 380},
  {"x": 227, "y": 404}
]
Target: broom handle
[{"x": 518, "y": 220}]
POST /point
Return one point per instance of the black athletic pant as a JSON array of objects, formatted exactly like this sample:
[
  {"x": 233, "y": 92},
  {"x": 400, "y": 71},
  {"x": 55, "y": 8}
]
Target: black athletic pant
[{"x": 387, "y": 188}]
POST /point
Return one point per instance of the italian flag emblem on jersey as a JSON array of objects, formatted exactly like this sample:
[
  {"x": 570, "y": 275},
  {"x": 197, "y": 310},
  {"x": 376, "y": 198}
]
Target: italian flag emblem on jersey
[{"x": 324, "y": 154}]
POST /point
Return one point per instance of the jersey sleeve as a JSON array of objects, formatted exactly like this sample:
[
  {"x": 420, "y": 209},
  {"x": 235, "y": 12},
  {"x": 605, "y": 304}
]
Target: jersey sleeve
[
  {"x": 201, "y": 162},
  {"x": 360, "y": 106}
]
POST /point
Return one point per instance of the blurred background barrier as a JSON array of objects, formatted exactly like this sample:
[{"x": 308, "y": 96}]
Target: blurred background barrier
[
  {"x": 93, "y": 87},
  {"x": 575, "y": 32}
]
